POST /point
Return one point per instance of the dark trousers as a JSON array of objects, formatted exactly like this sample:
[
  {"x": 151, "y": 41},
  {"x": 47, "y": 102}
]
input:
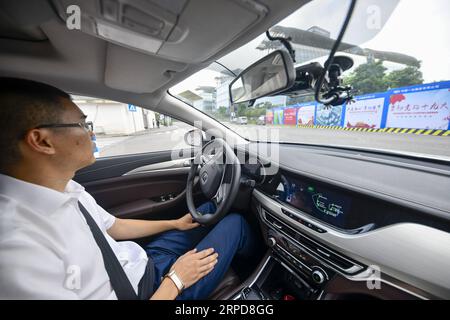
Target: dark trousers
[{"x": 229, "y": 237}]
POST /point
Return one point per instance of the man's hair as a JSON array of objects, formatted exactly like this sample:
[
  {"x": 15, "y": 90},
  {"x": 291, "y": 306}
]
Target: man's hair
[{"x": 24, "y": 105}]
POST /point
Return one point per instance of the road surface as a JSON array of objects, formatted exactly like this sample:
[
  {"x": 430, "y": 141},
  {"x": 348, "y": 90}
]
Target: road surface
[{"x": 172, "y": 137}]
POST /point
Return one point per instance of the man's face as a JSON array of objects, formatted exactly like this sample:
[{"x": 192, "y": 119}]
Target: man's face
[{"x": 74, "y": 145}]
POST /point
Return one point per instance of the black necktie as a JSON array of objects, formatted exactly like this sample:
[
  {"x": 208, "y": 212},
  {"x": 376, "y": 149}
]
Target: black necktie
[{"x": 119, "y": 280}]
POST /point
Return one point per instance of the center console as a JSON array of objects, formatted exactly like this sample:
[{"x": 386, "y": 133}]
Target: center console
[
  {"x": 330, "y": 240},
  {"x": 297, "y": 267},
  {"x": 278, "y": 281}
]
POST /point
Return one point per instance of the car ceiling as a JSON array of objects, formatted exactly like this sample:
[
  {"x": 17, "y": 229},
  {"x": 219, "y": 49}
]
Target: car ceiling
[{"x": 35, "y": 42}]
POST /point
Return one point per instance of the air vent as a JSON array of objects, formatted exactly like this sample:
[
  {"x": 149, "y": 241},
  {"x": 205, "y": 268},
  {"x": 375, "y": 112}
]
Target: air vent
[{"x": 342, "y": 263}]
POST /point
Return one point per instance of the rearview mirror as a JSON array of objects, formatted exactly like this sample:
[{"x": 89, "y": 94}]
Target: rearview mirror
[{"x": 272, "y": 74}]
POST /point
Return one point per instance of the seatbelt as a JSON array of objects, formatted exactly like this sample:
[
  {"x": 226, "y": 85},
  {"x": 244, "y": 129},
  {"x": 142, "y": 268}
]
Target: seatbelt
[
  {"x": 119, "y": 280},
  {"x": 145, "y": 287}
]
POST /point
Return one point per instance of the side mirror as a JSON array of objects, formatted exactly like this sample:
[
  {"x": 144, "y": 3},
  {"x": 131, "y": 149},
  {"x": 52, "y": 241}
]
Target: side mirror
[
  {"x": 194, "y": 137},
  {"x": 272, "y": 74},
  {"x": 91, "y": 125}
]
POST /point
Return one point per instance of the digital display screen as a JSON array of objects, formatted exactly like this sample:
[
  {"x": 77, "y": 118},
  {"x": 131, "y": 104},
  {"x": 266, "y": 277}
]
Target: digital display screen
[{"x": 326, "y": 205}]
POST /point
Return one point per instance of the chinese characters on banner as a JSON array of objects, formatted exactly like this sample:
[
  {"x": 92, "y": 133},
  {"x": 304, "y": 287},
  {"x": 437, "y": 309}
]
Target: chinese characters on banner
[
  {"x": 419, "y": 110},
  {"x": 290, "y": 116},
  {"x": 269, "y": 117},
  {"x": 364, "y": 113},
  {"x": 425, "y": 106},
  {"x": 278, "y": 116},
  {"x": 305, "y": 115},
  {"x": 329, "y": 116}
]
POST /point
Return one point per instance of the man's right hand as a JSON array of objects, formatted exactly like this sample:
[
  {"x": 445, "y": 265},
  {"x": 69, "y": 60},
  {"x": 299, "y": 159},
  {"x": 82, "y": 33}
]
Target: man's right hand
[{"x": 193, "y": 265}]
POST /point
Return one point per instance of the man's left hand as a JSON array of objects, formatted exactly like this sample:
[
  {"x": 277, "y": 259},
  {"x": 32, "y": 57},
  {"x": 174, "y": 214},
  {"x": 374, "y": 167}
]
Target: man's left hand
[{"x": 185, "y": 223}]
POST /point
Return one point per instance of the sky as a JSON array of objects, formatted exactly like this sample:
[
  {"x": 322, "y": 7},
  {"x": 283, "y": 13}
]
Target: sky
[
  {"x": 420, "y": 29},
  {"x": 414, "y": 27}
]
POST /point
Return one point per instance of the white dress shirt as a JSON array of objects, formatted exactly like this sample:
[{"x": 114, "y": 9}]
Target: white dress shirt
[{"x": 47, "y": 250}]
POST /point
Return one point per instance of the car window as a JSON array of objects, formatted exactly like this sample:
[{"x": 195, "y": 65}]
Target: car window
[
  {"x": 400, "y": 78},
  {"x": 122, "y": 129}
]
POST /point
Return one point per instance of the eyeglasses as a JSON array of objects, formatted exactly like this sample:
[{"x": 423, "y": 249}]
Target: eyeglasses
[{"x": 89, "y": 126}]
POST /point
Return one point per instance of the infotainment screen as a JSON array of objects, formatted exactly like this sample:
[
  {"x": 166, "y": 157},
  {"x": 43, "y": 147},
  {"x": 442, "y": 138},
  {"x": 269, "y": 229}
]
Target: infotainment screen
[{"x": 322, "y": 203}]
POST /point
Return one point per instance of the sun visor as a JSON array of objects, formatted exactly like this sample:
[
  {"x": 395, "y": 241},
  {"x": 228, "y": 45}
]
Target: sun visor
[
  {"x": 139, "y": 74},
  {"x": 205, "y": 20}
]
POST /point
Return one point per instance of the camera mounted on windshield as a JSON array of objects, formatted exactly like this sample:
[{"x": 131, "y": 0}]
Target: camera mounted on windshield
[
  {"x": 313, "y": 78},
  {"x": 337, "y": 93},
  {"x": 275, "y": 74}
]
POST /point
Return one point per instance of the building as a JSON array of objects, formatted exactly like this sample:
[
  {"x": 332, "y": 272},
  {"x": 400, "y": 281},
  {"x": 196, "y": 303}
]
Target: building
[
  {"x": 315, "y": 44},
  {"x": 204, "y": 98},
  {"x": 189, "y": 97},
  {"x": 115, "y": 118},
  {"x": 208, "y": 101},
  {"x": 223, "y": 92},
  {"x": 223, "y": 96},
  {"x": 319, "y": 30}
]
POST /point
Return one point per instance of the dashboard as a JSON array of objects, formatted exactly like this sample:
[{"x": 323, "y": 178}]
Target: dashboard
[
  {"x": 340, "y": 214},
  {"x": 320, "y": 202},
  {"x": 344, "y": 210}
]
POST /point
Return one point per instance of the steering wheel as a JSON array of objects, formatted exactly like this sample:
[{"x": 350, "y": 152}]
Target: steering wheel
[{"x": 219, "y": 173}]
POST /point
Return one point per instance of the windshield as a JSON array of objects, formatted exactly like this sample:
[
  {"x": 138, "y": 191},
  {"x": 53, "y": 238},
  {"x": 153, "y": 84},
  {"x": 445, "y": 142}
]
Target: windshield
[{"x": 400, "y": 77}]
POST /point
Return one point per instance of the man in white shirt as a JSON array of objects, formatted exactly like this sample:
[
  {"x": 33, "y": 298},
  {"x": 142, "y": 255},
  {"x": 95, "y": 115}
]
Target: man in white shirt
[{"x": 47, "y": 249}]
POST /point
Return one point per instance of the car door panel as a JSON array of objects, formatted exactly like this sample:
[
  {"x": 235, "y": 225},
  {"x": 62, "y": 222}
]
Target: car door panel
[
  {"x": 150, "y": 186},
  {"x": 111, "y": 167}
]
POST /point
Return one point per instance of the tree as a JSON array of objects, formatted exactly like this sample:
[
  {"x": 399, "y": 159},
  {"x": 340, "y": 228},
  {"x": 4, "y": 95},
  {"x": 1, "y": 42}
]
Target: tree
[
  {"x": 404, "y": 77},
  {"x": 241, "y": 109},
  {"x": 371, "y": 77},
  {"x": 299, "y": 99},
  {"x": 368, "y": 78},
  {"x": 222, "y": 113}
]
